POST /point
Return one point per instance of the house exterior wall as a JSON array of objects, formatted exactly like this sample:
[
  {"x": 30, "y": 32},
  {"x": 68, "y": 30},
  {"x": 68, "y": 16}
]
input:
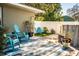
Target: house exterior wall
[{"x": 13, "y": 16}]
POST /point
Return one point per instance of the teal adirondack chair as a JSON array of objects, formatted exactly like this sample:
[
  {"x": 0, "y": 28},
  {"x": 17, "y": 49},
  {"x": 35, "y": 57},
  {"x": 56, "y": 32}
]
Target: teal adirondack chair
[
  {"x": 39, "y": 30},
  {"x": 23, "y": 36},
  {"x": 11, "y": 42}
]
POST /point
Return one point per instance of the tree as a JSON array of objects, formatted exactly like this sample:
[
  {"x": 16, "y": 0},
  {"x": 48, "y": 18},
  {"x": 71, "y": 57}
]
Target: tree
[
  {"x": 73, "y": 12},
  {"x": 53, "y": 11}
]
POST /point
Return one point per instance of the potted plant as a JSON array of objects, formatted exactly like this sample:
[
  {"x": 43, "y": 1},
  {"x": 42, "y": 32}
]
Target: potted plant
[
  {"x": 53, "y": 31},
  {"x": 67, "y": 41},
  {"x": 29, "y": 27},
  {"x": 65, "y": 46},
  {"x": 45, "y": 29},
  {"x": 3, "y": 30}
]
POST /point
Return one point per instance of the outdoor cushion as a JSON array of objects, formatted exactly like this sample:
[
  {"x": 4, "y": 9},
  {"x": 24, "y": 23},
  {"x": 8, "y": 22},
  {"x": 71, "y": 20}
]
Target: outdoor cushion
[{"x": 16, "y": 28}]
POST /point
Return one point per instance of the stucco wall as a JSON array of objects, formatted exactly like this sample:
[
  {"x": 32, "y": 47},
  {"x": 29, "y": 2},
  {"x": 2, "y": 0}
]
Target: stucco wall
[
  {"x": 13, "y": 16},
  {"x": 50, "y": 25},
  {"x": 57, "y": 26}
]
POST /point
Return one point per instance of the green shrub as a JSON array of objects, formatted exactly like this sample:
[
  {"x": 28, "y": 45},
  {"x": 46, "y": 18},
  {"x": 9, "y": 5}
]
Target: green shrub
[
  {"x": 2, "y": 38},
  {"x": 53, "y": 31},
  {"x": 45, "y": 29},
  {"x": 65, "y": 46}
]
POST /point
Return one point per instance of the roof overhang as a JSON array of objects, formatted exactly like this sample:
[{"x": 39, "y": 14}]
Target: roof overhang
[{"x": 25, "y": 7}]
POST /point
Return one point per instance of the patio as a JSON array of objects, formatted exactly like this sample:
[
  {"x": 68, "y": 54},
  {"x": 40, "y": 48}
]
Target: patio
[{"x": 44, "y": 46}]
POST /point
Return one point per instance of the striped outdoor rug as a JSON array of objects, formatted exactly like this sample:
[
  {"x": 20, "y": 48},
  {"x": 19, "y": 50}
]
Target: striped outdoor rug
[{"x": 42, "y": 48}]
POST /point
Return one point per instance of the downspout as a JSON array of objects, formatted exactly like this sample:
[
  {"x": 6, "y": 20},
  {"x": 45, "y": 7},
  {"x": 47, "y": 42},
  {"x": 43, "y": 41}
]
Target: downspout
[{"x": 2, "y": 16}]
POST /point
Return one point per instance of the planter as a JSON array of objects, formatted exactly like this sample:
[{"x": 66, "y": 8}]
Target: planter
[
  {"x": 65, "y": 46},
  {"x": 61, "y": 38},
  {"x": 30, "y": 34}
]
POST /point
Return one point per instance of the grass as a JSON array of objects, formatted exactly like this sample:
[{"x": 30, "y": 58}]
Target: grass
[{"x": 42, "y": 34}]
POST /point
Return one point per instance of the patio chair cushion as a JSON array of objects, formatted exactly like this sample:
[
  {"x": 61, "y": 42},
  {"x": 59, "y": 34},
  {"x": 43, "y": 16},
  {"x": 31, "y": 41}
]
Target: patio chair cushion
[{"x": 16, "y": 28}]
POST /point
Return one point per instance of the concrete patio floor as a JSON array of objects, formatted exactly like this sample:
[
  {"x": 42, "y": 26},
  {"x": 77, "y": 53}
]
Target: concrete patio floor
[{"x": 44, "y": 46}]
